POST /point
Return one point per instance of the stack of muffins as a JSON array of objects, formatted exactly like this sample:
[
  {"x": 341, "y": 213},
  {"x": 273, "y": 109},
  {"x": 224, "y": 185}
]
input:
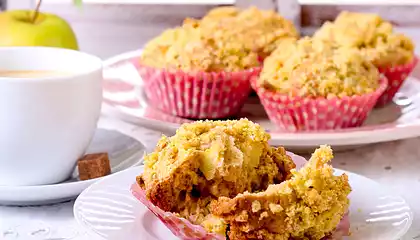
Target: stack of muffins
[{"x": 206, "y": 68}]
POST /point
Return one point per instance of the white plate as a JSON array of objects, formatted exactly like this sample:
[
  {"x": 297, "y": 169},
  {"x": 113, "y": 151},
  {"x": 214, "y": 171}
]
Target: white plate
[
  {"x": 108, "y": 209},
  {"x": 125, "y": 98},
  {"x": 123, "y": 151}
]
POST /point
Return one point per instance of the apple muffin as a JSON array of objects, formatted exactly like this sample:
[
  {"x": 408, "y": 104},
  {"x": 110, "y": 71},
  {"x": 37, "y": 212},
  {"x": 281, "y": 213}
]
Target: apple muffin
[
  {"x": 314, "y": 85},
  {"x": 311, "y": 204},
  {"x": 312, "y": 68},
  {"x": 189, "y": 74},
  {"x": 206, "y": 160},
  {"x": 391, "y": 52}
]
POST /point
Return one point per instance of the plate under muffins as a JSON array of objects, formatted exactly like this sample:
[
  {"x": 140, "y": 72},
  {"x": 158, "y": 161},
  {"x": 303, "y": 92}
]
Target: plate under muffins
[
  {"x": 109, "y": 210},
  {"x": 124, "y": 97}
]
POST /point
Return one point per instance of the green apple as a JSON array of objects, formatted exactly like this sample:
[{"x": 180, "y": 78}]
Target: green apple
[
  {"x": 77, "y": 2},
  {"x": 18, "y": 28}
]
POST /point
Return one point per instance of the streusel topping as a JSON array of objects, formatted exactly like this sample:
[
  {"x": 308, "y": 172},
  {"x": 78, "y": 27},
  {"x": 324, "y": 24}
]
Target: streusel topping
[
  {"x": 315, "y": 68},
  {"x": 374, "y": 37}
]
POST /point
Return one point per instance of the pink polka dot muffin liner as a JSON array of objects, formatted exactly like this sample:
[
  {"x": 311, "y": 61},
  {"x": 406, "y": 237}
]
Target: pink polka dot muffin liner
[
  {"x": 201, "y": 95},
  {"x": 396, "y": 77},
  {"x": 294, "y": 114},
  {"x": 184, "y": 229},
  {"x": 180, "y": 227}
]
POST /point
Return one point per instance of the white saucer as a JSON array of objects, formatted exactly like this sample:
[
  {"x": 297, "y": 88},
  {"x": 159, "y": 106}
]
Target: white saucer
[
  {"x": 124, "y": 152},
  {"x": 125, "y": 98},
  {"x": 108, "y": 209}
]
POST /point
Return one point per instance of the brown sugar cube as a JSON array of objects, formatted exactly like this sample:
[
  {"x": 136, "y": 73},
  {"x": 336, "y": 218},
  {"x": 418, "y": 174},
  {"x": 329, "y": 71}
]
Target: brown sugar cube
[{"x": 94, "y": 166}]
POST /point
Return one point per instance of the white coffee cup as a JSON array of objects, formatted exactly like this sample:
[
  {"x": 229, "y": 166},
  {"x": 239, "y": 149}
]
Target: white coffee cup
[{"x": 46, "y": 123}]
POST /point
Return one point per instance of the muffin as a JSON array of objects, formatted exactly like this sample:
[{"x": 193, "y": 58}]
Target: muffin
[
  {"x": 206, "y": 160},
  {"x": 314, "y": 85},
  {"x": 392, "y": 53},
  {"x": 193, "y": 178},
  {"x": 308, "y": 206},
  {"x": 189, "y": 74},
  {"x": 258, "y": 30}
]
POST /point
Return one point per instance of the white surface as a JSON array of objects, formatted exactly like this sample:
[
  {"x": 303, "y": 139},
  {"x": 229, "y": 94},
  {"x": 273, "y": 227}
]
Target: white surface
[
  {"x": 108, "y": 209},
  {"x": 399, "y": 121},
  {"x": 46, "y": 122},
  {"x": 123, "y": 151}
]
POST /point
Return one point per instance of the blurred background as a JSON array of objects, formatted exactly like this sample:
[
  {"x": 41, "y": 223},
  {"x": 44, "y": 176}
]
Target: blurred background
[{"x": 109, "y": 27}]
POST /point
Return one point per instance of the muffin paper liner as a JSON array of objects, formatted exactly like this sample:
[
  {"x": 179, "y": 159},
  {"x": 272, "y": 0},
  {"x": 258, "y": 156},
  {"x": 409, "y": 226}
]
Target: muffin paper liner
[
  {"x": 396, "y": 77},
  {"x": 185, "y": 230},
  {"x": 201, "y": 95},
  {"x": 294, "y": 114},
  {"x": 180, "y": 227}
]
